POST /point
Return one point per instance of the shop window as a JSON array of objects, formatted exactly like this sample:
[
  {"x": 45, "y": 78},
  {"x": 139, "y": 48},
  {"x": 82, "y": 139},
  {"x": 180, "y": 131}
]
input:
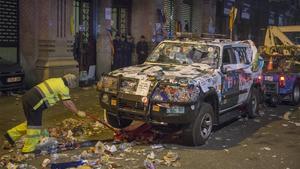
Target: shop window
[{"x": 9, "y": 31}]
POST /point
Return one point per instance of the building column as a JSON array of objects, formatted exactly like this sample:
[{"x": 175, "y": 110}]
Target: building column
[
  {"x": 104, "y": 41},
  {"x": 55, "y": 57}
]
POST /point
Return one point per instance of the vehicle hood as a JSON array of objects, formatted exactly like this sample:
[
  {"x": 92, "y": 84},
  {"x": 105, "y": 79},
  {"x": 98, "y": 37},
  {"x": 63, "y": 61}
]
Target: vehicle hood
[
  {"x": 164, "y": 72},
  {"x": 6, "y": 66}
]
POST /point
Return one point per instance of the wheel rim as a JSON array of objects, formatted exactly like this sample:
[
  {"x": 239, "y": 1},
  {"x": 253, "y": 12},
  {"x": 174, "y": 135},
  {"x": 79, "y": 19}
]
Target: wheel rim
[
  {"x": 254, "y": 104},
  {"x": 296, "y": 94},
  {"x": 206, "y": 125}
]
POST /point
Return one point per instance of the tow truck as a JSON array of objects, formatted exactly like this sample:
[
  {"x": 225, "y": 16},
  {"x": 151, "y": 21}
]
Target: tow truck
[{"x": 281, "y": 73}]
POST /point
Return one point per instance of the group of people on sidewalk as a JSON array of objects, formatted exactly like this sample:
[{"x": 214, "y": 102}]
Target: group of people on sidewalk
[{"x": 124, "y": 50}]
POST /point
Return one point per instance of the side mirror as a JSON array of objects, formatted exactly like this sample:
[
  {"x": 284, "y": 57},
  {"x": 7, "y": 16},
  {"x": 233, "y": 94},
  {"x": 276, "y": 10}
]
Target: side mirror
[{"x": 224, "y": 70}]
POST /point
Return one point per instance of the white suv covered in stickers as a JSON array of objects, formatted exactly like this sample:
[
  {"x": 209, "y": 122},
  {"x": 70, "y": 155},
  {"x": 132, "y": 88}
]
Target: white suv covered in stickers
[{"x": 185, "y": 85}]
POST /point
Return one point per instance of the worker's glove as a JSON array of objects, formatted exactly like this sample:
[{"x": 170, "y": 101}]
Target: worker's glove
[{"x": 81, "y": 113}]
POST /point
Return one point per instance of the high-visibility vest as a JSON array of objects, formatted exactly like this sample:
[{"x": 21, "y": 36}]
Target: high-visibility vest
[{"x": 52, "y": 91}]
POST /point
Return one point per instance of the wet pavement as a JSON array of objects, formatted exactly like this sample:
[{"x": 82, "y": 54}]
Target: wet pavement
[{"x": 269, "y": 141}]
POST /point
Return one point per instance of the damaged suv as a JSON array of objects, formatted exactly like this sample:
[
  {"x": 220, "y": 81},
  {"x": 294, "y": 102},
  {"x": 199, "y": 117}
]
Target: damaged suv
[{"x": 183, "y": 84}]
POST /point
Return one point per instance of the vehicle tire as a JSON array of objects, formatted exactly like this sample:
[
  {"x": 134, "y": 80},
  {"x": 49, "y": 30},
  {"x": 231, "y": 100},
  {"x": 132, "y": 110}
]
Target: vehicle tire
[
  {"x": 295, "y": 95},
  {"x": 115, "y": 122},
  {"x": 200, "y": 129},
  {"x": 252, "y": 104}
]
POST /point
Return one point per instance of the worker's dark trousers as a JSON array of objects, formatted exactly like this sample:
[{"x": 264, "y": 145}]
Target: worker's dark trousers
[
  {"x": 33, "y": 117},
  {"x": 29, "y": 100},
  {"x": 31, "y": 127}
]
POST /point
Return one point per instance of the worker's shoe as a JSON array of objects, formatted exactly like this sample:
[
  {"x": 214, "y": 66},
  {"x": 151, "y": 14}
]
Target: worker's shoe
[
  {"x": 16, "y": 133},
  {"x": 31, "y": 140}
]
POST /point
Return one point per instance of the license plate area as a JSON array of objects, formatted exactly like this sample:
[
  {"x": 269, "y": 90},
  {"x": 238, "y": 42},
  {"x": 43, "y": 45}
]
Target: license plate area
[
  {"x": 269, "y": 78},
  {"x": 13, "y": 79}
]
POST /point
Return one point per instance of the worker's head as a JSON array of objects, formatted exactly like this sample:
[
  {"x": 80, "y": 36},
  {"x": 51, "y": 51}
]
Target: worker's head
[{"x": 71, "y": 80}]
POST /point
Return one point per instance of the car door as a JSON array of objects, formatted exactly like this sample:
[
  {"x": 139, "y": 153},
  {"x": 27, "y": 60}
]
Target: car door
[
  {"x": 244, "y": 71},
  {"x": 230, "y": 79}
]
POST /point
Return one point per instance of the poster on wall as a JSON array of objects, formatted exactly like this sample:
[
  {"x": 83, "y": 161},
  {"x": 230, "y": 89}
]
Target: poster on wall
[
  {"x": 108, "y": 13},
  {"x": 227, "y": 6},
  {"x": 246, "y": 11}
]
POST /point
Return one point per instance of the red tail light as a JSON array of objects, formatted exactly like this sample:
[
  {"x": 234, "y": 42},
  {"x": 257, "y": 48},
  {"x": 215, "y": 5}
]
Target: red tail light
[
  {"x": 259, "y": 79},
  {"x": 281, "y": 81}
]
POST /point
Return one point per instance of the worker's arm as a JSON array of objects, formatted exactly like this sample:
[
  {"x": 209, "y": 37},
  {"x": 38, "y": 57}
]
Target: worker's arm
[{"x": 72, "y": 107}]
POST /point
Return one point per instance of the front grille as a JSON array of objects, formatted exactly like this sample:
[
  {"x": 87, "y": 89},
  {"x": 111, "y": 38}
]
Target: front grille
[
  {"x": 271, "y": 88},
  {"x": 131, "y": 105}
]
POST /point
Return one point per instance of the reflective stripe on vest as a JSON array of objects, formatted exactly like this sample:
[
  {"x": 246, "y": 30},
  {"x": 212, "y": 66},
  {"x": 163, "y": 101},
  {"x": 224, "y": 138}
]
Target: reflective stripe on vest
[
  {"x": 51, "y": 91},
  {"x": 49, "y": 96}
]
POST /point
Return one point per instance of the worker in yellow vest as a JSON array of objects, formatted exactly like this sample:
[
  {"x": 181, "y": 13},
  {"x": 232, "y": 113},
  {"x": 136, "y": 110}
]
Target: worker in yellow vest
[{"x": 37, "y": 99}]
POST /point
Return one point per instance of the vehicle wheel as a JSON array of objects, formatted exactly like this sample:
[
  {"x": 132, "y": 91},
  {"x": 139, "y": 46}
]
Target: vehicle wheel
[
  {"x": 115, "y": 122},
  {"x": 200, "y": 129},
  {"x": 296, "y": 95},
  {"x": 252, "y": 104}
]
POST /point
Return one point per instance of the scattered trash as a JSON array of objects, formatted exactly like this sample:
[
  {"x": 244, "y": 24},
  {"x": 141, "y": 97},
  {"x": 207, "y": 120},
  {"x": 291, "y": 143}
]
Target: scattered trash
[
  {"x": 151, "y": 156},
  {"x": 266, "y": 148},
  {"x": 286, "y": 115},
  {"x": 297, "y": 124},
  {"x": 99, "y": 148},
  {"x": 274, "y": 156},
  {"x": 285, "y": 125},
  {"x": 245, "y": 145},
  {"x": 257, "y": 120},
  {"x": 218, "y": 138},
  {"x": 261, "y": 113},
  {"x": 157, "y": 146},
  {"x": 170, "y": 158},
  {"x": 226, "y": 150},
  {"x": 46, "y": 162},
  {"x": 66, "y": 164},
  {"x": 149, "y": 164},
  {"x": 111, "y": 149}
]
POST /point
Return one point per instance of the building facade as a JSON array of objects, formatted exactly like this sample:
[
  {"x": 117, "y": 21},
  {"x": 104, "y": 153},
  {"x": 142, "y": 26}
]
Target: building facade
[{"x": 55, "y": 37}]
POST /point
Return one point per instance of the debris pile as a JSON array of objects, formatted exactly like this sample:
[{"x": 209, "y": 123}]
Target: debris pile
[
  {"x": 71, "y": 128},
  {"x": 68, "y": 135}
]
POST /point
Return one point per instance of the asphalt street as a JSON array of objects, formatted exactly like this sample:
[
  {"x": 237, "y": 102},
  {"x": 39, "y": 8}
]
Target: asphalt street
[{"x": 269, "y": 141}]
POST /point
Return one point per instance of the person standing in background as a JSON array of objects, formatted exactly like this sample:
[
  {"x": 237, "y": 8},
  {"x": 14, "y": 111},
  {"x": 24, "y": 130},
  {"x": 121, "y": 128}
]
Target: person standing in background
[
  {"x": 117, "y": 52},
  {"x": 122, "y": 61},
  {"x": 76, "y": 47},
  {"x": 142, "y": 50},
  {"x": 129, "y": 49},
  {"x": 186, "y": 26}
]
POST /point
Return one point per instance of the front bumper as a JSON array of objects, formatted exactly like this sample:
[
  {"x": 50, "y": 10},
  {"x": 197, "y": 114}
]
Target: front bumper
[
  {"x": 9, "y": 86},
  {"x": 272, "y": 92},
  {"x": 131, "y": 107}
]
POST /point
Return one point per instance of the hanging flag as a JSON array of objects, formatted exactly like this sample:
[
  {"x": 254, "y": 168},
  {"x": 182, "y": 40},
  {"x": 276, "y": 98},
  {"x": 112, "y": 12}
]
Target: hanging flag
[
  {"x": 232, "y": 16},
  {"x": 72, "y": 25}
]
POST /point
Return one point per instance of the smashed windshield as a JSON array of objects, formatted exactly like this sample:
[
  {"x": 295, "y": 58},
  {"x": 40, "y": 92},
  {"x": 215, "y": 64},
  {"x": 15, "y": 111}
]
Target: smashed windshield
[{"x": 185, "y": 53}]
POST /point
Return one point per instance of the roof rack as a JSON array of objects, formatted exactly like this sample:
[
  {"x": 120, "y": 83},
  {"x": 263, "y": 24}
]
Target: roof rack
[{"x": 203, "y": 37}]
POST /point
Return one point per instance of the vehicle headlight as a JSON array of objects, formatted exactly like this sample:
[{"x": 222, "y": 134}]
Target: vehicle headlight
[
  {"x": 105, "y": 99},
  {"x": 171, "y": 93},
  {"x": 108, "y": 83},
  {"x": 128, "y": 85}
]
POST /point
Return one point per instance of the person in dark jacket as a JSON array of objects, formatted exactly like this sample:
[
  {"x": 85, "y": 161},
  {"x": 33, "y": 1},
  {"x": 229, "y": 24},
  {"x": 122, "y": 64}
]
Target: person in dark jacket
[
  {"x": 122, "y": 61},
  {"x": 76, "y": 47},
  {"x": 142, "y": 50},
  {"x": 129, "y": 49},
  {"x": 117, "y": 52}
]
